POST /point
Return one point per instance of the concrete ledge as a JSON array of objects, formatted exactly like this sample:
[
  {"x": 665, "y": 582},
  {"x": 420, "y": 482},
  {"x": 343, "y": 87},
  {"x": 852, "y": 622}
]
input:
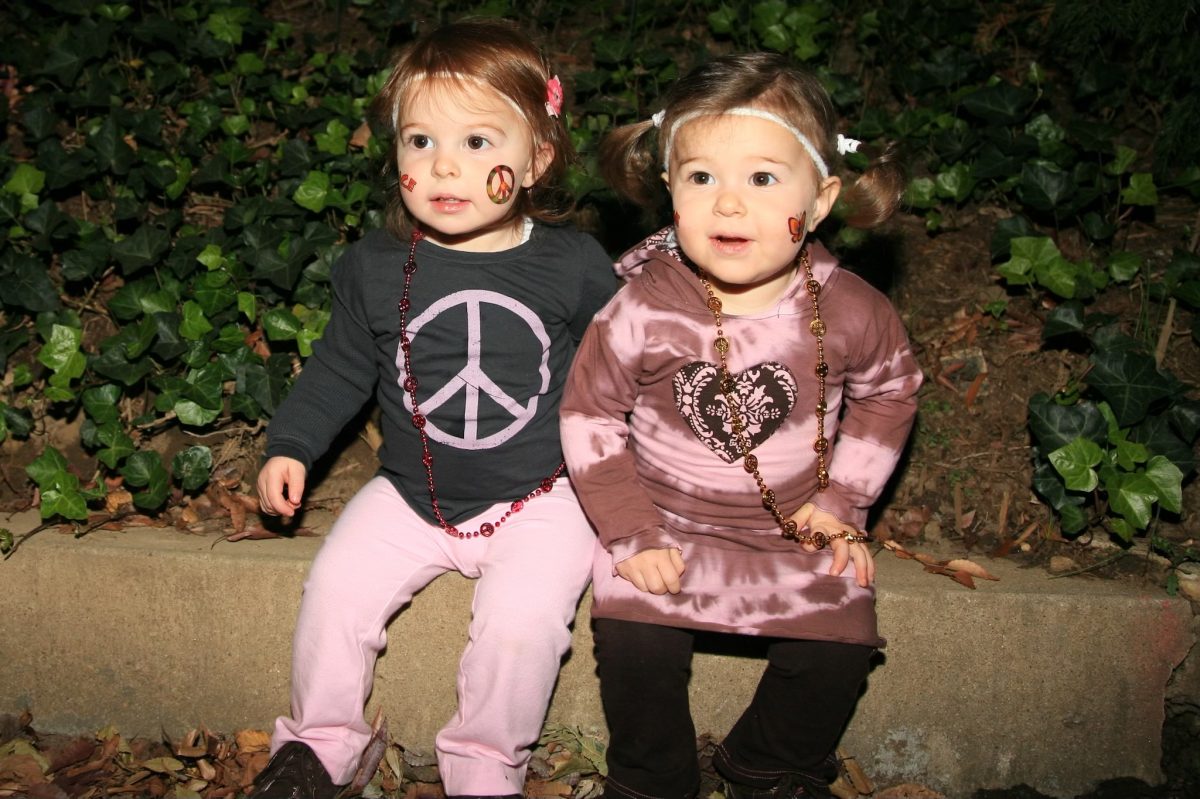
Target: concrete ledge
[{"x": 1058, "y": 684}]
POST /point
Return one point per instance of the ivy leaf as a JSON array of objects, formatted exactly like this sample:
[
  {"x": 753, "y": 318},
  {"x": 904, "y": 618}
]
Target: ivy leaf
[
  {"x": 146, "y": 246},
  {"x": 247, "y": 305},
  {"x": 192, "y": 413},
  {"x": 955, "y": 183},
  {"x": 192, "y": 467},
  {"x": 194, "y": 325},
  {"x": 118, "y": 445},
  {"x": 18, "y": 421},
  {"x": 265, "y": 384},
  {"x": 214, "y": 293},
  {"x": 334, "y": 140},
  {"x": 279, "y": 270},
  {"x": 60, "y": 348},
  {"x": 1002, "y": 103},
  {"x": 48, "y": 469},
  {"x": 1075, "y": 463},
  {"x": 1055, "y": 425},
  {"x": 1184, "y": 416},
  {"x": 26, "y": 179},
  {"x": 140, "y": 468},
  {"x": 1044, "y": 186},
  {"x": 1066, "y": 318},
  {"x": 1141, "y": 190},
  {"x": 1158, "y": 436},
  {"x": 68, "y": 504},
  {"x": 113, "y": 154},
  {"x": 1124, "y": 265},
  {"x": 921, "y": 193},
  {"x": 281, "y": 324},
  {"x": 1123, "y": 160},
  {"x": 25, "y": 283},
  {"x": 226, "y": 25},
  {"x": 114, "y": 364},
  {"x": 1133, "y": 496},
  {"x": 313, "y": 193},
  {"x": 100, "y": 403},
  {"x": 86, "y": 261},
  {"x": 1129, "y": 382},
  {"x": 1168, "y": 480},
  {"x": 722, "y": 20}
]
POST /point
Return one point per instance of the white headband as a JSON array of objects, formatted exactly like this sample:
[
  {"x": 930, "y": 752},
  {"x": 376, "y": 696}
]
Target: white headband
[
  {"x": 460, "y": 78},
  {"x": 844, "y": 144}
]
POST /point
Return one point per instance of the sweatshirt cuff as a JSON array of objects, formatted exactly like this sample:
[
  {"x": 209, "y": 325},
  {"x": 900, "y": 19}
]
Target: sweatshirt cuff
[
  {"x": 840, "y": 505},
  {"x": 287, "y": 449},
  {"x": 654, "y": 538}
]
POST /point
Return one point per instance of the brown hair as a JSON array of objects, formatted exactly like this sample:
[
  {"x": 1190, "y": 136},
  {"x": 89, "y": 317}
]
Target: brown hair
[
  {"x": 631, "y": 156},
  {"x": 499, "y": 55}
]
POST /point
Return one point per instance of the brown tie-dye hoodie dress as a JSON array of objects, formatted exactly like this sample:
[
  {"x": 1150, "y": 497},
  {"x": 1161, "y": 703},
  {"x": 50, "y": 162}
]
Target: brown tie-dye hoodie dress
[{"x": 647, "y": 440}]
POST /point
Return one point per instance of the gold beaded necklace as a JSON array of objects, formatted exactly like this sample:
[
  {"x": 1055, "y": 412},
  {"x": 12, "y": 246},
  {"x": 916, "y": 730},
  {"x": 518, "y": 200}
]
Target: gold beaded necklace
[{"x": 789, "y": 528}]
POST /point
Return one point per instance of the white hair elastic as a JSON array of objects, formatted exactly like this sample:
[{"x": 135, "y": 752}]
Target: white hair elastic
[{"x": 844, "y": 143}]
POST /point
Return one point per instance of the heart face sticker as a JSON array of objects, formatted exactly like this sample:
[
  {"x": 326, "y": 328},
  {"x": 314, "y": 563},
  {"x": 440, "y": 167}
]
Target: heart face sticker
[{"x": 765, "y": 395}]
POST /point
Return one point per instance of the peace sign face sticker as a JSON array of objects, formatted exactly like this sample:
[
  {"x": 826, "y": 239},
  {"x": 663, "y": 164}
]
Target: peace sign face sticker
[{"x": 500, "y": 184}]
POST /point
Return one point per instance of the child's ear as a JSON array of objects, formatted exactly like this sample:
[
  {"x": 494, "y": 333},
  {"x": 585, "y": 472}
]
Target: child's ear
[
  {"x": 827, "y": 195},
  {"x": 542, "y": 159}
]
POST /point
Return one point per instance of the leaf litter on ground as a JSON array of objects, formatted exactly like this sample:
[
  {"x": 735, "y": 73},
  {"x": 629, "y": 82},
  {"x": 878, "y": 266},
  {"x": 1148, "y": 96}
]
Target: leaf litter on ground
[{"x": 568, "y": 763}]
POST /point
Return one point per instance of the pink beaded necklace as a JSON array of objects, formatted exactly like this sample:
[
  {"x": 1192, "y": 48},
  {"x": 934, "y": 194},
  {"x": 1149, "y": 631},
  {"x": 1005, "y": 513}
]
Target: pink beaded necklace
[{"x": 418, "y": 419}]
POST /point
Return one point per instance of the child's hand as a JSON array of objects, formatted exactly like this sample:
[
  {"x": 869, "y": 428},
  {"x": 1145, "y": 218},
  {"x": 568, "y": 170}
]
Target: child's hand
[
  {"x": 281, "y": 486},
  {"x": 655, "y": 571},
  {"x": 819, "y": 521}
]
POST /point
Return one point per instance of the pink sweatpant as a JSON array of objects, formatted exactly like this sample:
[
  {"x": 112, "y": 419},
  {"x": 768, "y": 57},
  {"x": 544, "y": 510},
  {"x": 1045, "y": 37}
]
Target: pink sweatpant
[{"x": 531, "y": 574}]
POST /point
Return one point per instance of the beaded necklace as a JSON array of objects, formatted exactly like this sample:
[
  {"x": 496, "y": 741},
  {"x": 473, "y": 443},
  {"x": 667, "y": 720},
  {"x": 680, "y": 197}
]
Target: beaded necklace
[
  {"x": 787, "y": 526},
  {"x": 418, "y": 419}
]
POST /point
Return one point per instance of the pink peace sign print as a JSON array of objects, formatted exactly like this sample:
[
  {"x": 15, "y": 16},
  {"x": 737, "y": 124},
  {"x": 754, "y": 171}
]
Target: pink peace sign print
[{"x": 471, "y": 381}]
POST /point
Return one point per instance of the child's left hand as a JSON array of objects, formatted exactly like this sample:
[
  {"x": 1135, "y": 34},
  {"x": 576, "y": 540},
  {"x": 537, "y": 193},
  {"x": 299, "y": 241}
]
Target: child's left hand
[{"x": 819, "y": 521}]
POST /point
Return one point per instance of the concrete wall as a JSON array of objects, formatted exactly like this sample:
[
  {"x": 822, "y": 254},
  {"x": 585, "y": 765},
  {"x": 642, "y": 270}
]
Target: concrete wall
[{"x": 1054, "y": 683}]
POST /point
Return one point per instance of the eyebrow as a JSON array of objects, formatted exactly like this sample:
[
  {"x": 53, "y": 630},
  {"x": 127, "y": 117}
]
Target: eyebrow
[
  {"x": 482, "y": 126},
  {"x": 767, "y": 159}
]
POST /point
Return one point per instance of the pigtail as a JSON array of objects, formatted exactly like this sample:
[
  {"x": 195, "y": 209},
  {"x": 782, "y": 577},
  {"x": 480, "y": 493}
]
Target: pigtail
[
  {"x": 877, "y": 192},
  {"x": 629, "y": 162}
]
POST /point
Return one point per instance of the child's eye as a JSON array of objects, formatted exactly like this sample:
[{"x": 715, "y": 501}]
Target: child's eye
[
  {"x": 700, "y": 178},
  {"x": 478, "y": 142},
  {"x": 419, "y": 141},
  {"x": 763, "y": 179}
]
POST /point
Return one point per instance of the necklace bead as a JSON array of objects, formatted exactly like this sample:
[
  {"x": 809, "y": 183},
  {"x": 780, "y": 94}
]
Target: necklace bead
[
  {"x": 788, "y": 527},
  {"x": 410, "y": 383}
]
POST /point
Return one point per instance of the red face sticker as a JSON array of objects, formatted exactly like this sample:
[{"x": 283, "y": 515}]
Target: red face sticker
[
  {"x": 676, "y": 219},
  {"x": 796, "y": 226},
  {"x": 500, "y": 184},
  {"x": 408, "y": 182}
]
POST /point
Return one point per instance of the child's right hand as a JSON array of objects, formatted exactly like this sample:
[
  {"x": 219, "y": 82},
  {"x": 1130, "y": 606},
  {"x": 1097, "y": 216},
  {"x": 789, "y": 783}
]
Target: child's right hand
[
  {"x": 655, "y": 571},
  {"x": 281, "y": 486}
]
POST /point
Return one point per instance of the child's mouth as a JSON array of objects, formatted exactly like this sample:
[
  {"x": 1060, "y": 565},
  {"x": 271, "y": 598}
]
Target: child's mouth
[
  {"x": 730, "y": 243},
  {"x": 448, "y": 203}
]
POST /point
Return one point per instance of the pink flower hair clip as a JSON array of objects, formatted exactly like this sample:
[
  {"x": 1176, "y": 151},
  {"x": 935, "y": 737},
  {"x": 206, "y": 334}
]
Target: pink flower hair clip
[{"x": 554, "y": 96}]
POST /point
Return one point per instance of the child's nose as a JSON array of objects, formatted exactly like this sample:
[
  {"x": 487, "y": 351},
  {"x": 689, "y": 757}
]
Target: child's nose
[
  {"x": 444, "y": 165},
  {"x": 728, "y": 203}
]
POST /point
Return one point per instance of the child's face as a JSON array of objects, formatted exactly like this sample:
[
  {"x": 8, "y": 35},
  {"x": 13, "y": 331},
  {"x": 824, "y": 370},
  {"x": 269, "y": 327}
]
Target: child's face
[
  {"x": 464, "y": 152},
  {"x": 745, "y": 193}
]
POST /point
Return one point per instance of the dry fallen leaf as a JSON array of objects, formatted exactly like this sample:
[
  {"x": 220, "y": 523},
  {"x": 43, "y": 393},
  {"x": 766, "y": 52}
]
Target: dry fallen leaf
[
  {"x": 361, "y": 135},
  {"x": 970, "y": 567},
  {"x": 252, "y": 741}
]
